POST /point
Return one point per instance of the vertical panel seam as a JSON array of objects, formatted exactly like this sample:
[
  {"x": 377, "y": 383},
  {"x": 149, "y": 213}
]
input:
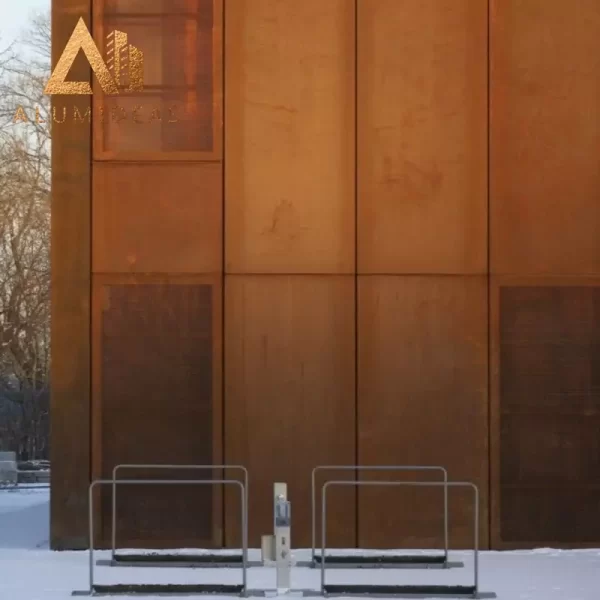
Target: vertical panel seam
[
  {"x": 223, "y": 259},
  {"x": 356, "y": 315},
  {"x": 489, "y": 280},
  {"x": 90, "y": 285}
]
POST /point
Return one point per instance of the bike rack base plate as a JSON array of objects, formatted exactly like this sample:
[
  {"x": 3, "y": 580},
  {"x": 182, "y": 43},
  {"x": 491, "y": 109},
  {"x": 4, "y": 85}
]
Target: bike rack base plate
[
  {"x": 380, "y": 559},
  {"x": 193, "y": 561},
  {"x": 171, "y": 590},
  {"x": 401, "y": 591},
  {"x": 236, "y": 559},
  {"x": 384, "y": 561}
]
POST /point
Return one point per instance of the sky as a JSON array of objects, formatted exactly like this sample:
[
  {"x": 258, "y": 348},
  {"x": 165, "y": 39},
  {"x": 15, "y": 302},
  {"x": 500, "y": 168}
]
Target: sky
[{"x": 14, "y": 16}]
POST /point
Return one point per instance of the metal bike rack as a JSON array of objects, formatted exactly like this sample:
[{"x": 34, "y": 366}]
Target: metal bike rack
[
  {"x": 199, "y": 560},
  {"x": 221, "y": 589},
  {"x": 382, "y": 560},
  {"x": 401, "y": 590}
]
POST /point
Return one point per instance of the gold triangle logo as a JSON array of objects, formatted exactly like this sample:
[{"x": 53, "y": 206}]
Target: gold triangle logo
[{"x": 81, "y": 39}]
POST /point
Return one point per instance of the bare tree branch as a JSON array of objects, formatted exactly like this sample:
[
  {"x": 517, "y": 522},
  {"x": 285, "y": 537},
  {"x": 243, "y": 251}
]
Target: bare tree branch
[{"x": 25, "y": 244}]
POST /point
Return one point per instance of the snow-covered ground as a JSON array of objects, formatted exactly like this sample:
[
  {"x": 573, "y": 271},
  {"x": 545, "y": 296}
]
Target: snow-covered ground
[
  {"x": 24, "y": 521},
  {"x": 29, "y": 571}
]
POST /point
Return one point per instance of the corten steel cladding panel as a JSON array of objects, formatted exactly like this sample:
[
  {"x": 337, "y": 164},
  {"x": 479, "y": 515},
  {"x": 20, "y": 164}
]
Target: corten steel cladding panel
[
  {"x": 178, "y": 114},
  {"x": 545, "y": 132},
  {"x": 546, "y": 412},
  {"x": 158, "y": 218},
  {"x": 290, "y": 136},
  {"x": 157, "y": 399},
  {"x": 422, "y": 136},
  {"x": 71, "y": 247},
  {"x": 422, "y": 400},
  {"x": 289, "y": 396}
]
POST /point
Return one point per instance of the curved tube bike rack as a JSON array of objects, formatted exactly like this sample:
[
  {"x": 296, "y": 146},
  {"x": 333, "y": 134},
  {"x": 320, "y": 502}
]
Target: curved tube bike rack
[
  {"x": 201, "y": 559},
  {"x": 149, "y": 589},
  {"x": 400, "y": 590},
  {"x": 396, "y": 561}
]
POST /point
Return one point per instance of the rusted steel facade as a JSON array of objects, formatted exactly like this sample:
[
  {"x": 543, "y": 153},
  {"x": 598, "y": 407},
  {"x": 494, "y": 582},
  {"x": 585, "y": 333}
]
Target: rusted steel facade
[{"x": 332, "y": 232}]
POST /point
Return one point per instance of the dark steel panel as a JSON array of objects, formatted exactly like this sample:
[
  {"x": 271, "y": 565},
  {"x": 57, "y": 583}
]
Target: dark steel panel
[
  {"x": 549, "y": 392},
  {"x": 157, "y": 400},
  {"x": 157, "y": 403}
]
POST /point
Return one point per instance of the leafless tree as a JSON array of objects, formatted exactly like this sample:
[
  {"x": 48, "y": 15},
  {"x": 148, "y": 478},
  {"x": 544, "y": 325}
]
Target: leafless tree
[{"x": 25, "y": 243}]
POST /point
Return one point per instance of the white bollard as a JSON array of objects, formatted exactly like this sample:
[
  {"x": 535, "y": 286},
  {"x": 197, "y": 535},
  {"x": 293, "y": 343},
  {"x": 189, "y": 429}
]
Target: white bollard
[{"x": 283, "y": 546}]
